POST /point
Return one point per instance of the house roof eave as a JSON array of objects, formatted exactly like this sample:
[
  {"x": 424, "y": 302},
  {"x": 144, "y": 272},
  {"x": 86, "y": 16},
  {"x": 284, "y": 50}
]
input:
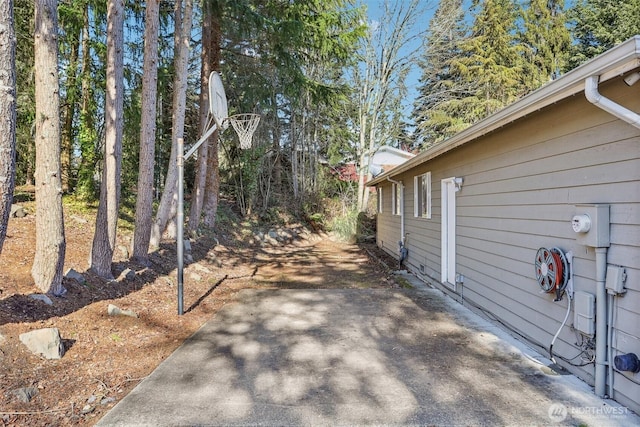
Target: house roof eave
[{"x": 611, "y": 64}]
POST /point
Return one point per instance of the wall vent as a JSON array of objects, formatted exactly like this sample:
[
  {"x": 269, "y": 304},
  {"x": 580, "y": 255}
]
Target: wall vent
[{"x": 422, "y": 268}]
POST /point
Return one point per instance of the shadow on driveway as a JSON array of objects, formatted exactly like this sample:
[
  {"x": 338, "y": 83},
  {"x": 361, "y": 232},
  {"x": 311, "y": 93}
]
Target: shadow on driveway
[{"x": 351, "y": 357}]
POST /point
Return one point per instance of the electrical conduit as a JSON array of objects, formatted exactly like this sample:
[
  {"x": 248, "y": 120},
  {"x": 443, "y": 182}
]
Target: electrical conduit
[
  {"x": 601, "y": 322},
  {"x": 603, "y": 332}
]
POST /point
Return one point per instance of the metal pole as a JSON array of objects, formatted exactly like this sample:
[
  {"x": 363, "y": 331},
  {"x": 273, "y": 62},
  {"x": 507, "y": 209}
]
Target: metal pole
[
  {"x": 180, "y": 221},
  {"x": 180, "y": 215}
]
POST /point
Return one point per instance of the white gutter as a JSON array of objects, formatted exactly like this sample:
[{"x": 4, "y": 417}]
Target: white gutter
[
  {"x": 619, "y": 60},
  {"x": 597, "y": 99},
  {"x": 617, "y": 110}
]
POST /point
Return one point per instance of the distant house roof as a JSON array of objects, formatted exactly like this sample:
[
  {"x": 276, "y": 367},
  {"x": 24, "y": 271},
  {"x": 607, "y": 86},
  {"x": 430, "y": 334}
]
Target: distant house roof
[
  {"x": 613, "y": 63},
  {"x": 387, "y": 155},
  {"x": 386, "y": 158}
]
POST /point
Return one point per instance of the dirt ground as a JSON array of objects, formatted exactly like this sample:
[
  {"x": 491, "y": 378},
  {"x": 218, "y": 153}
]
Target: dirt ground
[{"x": 106, "y": 356}]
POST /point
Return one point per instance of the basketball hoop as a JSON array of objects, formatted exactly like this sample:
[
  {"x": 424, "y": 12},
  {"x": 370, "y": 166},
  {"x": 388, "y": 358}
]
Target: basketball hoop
[{"x": 245, "y": 125}]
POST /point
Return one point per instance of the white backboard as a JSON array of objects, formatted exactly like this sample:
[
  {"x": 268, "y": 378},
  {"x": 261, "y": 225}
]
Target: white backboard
[{"x": 218, "y": 100}]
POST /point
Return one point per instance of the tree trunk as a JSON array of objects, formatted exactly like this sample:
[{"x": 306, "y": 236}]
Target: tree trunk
[
  {"x": 87, "y": 135},
  {"x": 50, "y": 240},
  {"x": 212, "y": 183},
  {"x": 361, "y": 155},
  {"x": 104, "y": 239},
  {"x": 199, "y": 185},
  {"x": 68, "y": 113},
  {"x": 211, "y": 198},
  {"x": 168, "y": 201},
  {"x": 8, "y": 115},
  {"x": 144, "y": 201}
]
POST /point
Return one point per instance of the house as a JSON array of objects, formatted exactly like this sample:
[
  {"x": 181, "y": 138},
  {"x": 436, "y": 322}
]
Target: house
[
  {"x": 532, "y": 218},
  {"x": 384, "y": 159}
]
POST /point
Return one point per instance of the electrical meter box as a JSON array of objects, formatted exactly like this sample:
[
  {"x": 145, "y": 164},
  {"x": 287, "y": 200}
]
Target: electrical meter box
[
  {"x": 584, "y": 318},
  {"x": 591, "y": 225}
]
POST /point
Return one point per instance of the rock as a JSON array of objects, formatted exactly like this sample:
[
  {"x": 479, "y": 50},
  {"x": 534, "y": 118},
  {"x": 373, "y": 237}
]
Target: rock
[
  {"x": 107, "y": 400},
  {"x": 2, "y": 339},
  {"x": 17, "y": 211},
  {"x": 87, "y": 409},
  {"x": 46, "y": 342},
  {"x": 270, "y": 240},
  {"x": 127, "y": 274},
  {"x": 124, "y": 250},
  {"x": 113, "y": 310},
  {"x": 202, "y": 268},
  {"x": 60, "y": 291},
  {"x": 187, "y": 245},
  {"x": 92, "y": 399},
  {"x": 196, "y": 277},
  {"x": 41, "y": 297},
  {"x": 25, "y": 394},
  {"x": 79, "y": 219},
  {"x": 74, "y": 275}
]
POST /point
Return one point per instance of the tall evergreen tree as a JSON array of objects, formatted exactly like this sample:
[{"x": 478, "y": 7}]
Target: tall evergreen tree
[
  {"x": 104, "y": 239},
  {"x": 438, "y": 84},
  {"x": 491, "y": 59},
  {"x": 168, "y": 202},
  {"x": 7, "y": 114},
  {"x": 25, "y": 91},
  {"x": 598, "y": 25},
  {"x": 144, "y": 201},
  {"x": 50, "y": 240},
  {"x": 546, "y": 41},
  {"x": 489, "y": 68}
]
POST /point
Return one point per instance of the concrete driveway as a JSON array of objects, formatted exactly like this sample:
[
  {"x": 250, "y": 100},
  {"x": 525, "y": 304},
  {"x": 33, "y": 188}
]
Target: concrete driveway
[{"x": 357, "y": 357}]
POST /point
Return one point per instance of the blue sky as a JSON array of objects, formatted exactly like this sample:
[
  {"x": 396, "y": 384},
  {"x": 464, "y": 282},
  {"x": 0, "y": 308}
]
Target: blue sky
[{"x": 374, "y": 12}]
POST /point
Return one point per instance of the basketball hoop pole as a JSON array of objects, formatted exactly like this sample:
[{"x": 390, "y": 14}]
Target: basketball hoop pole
[
  {"x": 180, "y": 221},
  {"x": 182, "y": 157},
  {"x": 244, "y": 125}
]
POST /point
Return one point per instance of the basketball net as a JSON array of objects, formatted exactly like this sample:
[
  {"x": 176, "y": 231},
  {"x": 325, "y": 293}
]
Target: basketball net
[{"x": 245, "y": 125}]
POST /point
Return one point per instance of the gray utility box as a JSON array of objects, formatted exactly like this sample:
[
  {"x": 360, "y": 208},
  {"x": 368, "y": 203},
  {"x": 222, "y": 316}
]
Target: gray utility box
[
  {"x": 584, "y": 318},
  {"x": 591, "y": 224}
]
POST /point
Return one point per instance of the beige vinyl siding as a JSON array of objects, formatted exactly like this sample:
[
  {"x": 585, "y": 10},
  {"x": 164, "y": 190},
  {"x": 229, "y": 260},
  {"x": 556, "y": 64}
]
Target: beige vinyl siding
[
  {"x": 388, "y": 225},
  {"x": 521, "y": 185}
]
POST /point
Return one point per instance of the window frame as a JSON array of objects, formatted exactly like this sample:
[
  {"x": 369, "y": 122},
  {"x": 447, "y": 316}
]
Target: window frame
[
  {"x": 396, "y": 199},
  {"x": 422, "y": 198}
]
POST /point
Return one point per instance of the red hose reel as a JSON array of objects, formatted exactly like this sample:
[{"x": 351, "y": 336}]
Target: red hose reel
[{"x": 552, "y": 271}]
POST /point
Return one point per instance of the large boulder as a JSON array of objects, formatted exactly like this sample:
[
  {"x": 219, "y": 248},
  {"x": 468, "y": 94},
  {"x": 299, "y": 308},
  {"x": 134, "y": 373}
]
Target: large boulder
[
  {"x": 46, "y": 342},
  {"x": 17, "y": 211}
]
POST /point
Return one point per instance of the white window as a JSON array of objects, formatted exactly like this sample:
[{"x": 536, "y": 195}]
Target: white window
[
  {"x": 379, "y": 199},
  {"x": 396, "y": 199},
  {"x": 422, "y": 195}
]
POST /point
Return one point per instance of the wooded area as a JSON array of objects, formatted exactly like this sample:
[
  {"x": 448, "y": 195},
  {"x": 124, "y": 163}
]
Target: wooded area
[{"x": 93, "y": 99}]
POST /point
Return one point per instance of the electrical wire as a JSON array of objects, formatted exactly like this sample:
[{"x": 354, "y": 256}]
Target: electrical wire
[
  {"x": 529, "y": 339},
  {"x": 559, "y": 329}
]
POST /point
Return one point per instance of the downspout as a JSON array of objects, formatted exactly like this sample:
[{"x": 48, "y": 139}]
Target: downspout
[
  {"x": 604, "y": 103},
  {"x": 601, "y": 322},
  {"x": 602, "y": 332},
  {"x": 399, "y": 184}
]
